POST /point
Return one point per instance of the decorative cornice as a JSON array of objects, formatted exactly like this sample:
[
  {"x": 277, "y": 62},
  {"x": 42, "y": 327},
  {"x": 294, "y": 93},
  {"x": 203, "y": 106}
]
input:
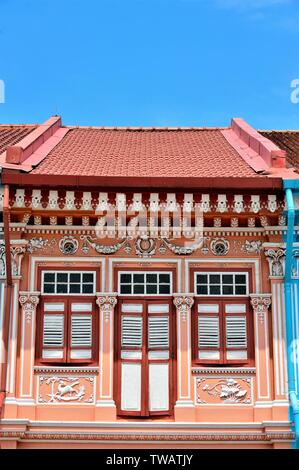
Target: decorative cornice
[
  {"x": 224, "y": 371},
  {"x": 66, "y": 370},
  {"x": 143, "y": 437}
]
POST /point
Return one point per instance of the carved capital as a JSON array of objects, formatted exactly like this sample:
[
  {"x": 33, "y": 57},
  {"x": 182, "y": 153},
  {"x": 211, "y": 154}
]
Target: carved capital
[
  {"x": 260, "y": 304},
  {"x": 276, "y": 259},
  {"x": 183, "y": 304},
  {"x": 106, "y": 303},
  {"x": 29, "y": 302}
]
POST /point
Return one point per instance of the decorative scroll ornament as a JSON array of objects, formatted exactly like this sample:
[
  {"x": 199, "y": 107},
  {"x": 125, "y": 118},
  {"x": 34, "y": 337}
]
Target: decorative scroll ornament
[
  {"x": 276, "y": 260},
  {"x": 106, "y": 303},
  {"x": 29, "y": 302},
  {"x": 260, "y": 304},
  {"x": 145, "y": 247},
  {"x": 39, "y": 244},
  {"x": 295, "y": 267},
  {"x": 102, "y": 249},
  {"x": 182, "y": 250},
  {"x": 183, "y": 304},
  {"x": 17, "y": 253},
  {"x": 68, "y": 245},
  {"x": 228, "y": 390},
  {"x": 220, "y": 246},
  {"x": 254, "y": 246},
  {"x": 2, "y": 260}
]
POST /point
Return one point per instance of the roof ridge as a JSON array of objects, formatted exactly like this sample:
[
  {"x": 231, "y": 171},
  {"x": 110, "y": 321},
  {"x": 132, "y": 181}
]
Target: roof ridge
[{"x": 148, "y": 128}]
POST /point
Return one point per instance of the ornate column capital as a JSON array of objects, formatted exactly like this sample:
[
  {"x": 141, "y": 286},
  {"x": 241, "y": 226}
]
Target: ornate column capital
[
  {"x": 29, "y": 302},
  {"x": 260, "y": 304},
  {"x": 275, "y": 255},
  {"x": 106, "y": 300},
  {"x": 106, "y": 303},
  {"x": 183, "y": 304}
]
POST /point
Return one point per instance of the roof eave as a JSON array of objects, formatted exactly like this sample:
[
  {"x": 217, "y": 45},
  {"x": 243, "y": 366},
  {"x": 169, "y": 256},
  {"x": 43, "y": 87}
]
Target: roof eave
[{"x": 75, "y": 181}]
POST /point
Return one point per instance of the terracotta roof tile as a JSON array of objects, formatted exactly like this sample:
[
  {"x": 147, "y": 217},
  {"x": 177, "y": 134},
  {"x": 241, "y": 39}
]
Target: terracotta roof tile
[
  {"x": 288, "y": 141},
  {"x": 145, "y": 153},
  {"x": 12, "y": 134}
]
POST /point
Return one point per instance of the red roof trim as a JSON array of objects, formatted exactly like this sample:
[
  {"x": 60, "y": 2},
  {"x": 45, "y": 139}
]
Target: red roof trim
[{"x": 142, "y": 182}]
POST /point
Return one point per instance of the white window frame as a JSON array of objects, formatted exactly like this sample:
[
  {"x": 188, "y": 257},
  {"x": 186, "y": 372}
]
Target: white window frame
[
  {"x": 235, "y": 273},
  {"x": 145, "y": 272},
  {"x": 53, "y": 271}
]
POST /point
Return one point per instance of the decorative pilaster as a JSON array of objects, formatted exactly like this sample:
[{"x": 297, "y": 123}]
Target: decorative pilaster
[
  {"x": 260, "y": 304},
  {"x": 183, "y": 304},
  {"x": 29, "y": 302},
  {"x": 275, "y": 254},
  {"x": 106, "y": 303}
]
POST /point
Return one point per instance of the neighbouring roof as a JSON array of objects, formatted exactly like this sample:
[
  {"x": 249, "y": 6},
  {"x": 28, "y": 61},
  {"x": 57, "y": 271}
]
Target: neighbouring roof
[
  {"x": 287, "y": 141},
  {"x": 144, "y": 153},
  {"x": 12, "y": 134}
]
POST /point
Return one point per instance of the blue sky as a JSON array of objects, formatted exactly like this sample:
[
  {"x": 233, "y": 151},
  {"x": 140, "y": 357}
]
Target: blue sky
[{"x": 150, "y": 62}]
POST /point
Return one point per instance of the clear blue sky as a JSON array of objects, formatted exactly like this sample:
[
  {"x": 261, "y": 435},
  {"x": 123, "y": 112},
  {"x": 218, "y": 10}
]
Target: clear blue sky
[{"x": 150, "y": 62}]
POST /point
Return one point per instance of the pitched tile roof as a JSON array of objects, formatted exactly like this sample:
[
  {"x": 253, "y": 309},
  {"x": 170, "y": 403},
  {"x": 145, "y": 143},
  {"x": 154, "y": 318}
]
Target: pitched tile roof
[
  {"x": 145, "y": 152},
  {"x": 288, "y": 141},
  {"x": 12, "y": 134}
]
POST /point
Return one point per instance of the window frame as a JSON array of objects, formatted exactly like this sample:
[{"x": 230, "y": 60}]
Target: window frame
[
  {"x": 133, "y": 271},
  {"x": 221, "y": 273},
  {"x": 68, "y": 272},
  {"x": 222, "y": 315},
  {"x": 67, "y": 348},
  {"x": 205, "y": 298}
]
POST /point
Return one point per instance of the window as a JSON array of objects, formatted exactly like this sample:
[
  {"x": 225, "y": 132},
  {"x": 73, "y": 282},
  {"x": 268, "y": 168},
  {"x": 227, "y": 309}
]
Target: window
[
  {"x": 223, "y": 283},
  {"x": 222, "y": 333},
  {"x": 68, "y": 282},
  {"x": 221, "y": 320},
  {"x": 67, "y": 330},
  {"x": 145, "y": 283}
]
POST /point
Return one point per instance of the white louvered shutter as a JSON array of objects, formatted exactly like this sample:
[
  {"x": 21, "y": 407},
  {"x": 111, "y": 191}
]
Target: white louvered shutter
[
  {"x": 208, "y": 332},
  {"x": 158, "y": 332},
  {"x": 236, "y": 332},
  {"x": 53, "y": 337},
  {"x": 131, "y": 331}
]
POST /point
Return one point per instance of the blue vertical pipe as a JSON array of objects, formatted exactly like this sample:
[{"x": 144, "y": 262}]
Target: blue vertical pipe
[{"x": 288, "y": 303}]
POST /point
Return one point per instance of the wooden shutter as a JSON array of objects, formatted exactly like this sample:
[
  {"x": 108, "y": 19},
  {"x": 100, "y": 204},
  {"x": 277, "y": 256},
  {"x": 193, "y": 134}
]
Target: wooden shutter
[
  {"x": 81, "y": 330},
  {"x": 208, "y": 332},
  {"x": 158, "y": 332},
  {"x": 236, "y": 331},
  {"x": 53, "y": 332},
  {"x": 131, "y": 331}
]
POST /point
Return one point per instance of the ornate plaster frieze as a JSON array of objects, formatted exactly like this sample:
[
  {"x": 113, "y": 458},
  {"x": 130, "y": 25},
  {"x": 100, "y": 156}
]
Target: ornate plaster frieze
[
  {"x": 145, "y": 247},
  {"x": 182, "y": 250},
  {"x": 215, "y": 391},
  {"x": 39, "y": 243},
  {"x": 260, "y": 304},
  {"x": 252, "y": 246},
  {"x": 29, "y": 302},
  {"x": 101, "y": 249},
  {"x": 183, "y": 304},
  {"x": 276, "y": 259},
  {"x": 219, "y": 246},
  {"x": 106, "y": 303},
  {"x": 68, "y": 245},
  {"x": 66, "y": 389}
]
